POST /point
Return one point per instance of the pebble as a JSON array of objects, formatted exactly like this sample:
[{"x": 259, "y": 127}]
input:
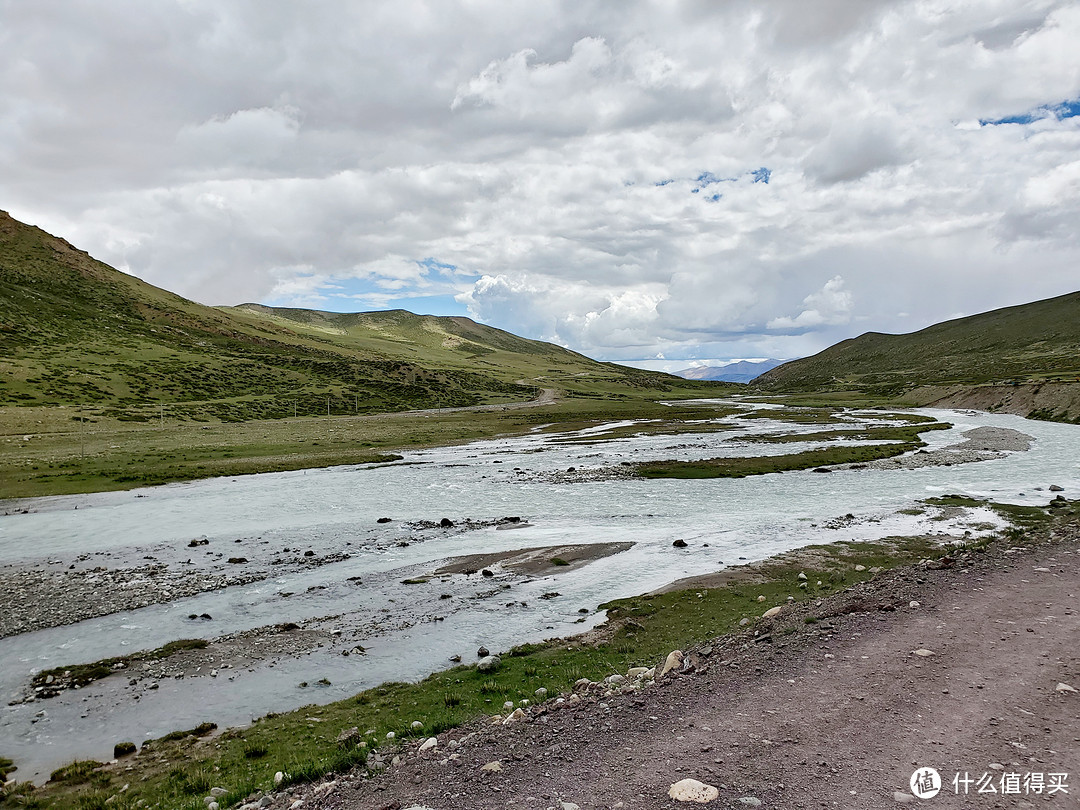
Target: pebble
[
  {"x": 750, "y": 801},
  {"x": 1064, "y": 687},
  {"x": 922, "y": 653},
  {"x": 768, "y": 614},
  {"x": 279, "y": 777},
  {"x": 492, "y": 767},
  {"x": 429, "y": 743},
  {"x": 902, "y": 797}
]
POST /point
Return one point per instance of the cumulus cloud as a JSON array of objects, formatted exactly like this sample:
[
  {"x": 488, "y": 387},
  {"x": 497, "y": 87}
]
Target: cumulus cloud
[{"x": 692, "y": 179}]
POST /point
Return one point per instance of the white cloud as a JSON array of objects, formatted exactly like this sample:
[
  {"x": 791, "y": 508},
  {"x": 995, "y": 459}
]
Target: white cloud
[{"x": 587, "y": 170}]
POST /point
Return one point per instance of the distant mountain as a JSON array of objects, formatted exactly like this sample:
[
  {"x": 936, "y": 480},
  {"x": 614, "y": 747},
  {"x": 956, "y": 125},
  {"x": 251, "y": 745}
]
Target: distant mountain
[
  {"x": 1023, "y": 359},
  {"x": 742, "y": 372},
  {"x": 74, "y": 331}
]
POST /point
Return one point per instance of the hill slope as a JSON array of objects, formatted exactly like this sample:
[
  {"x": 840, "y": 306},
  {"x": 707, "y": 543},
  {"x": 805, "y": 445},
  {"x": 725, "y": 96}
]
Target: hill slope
[
  {"x": 1036, "y": 342},
  {"x": 74, "y": 331}
]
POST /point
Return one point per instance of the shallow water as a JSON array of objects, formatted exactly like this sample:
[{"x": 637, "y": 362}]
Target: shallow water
[{"x": 334, "y": 510}]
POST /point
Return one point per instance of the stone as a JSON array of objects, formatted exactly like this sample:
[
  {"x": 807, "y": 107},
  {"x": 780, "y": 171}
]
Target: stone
[
  {"x": 482, "y": 652},
  {"x": 635, "y": 673},
  {"x": 902, "y": 797},
  {"x": 860, "y": 567},
  {"x": 1056, "y": 488},
  {"x": 1064, "y": 687},
  {"x": 489, "y": 663},
  {"x": 802, "y": 576},
  {"x": 429, "y": 743},
  {"x": 416, "y": 725},
  {"x": 213, "y": 806},
  {"x": 691, "y": 790},
  {"x": 913, "y": 604},
  {"x": 743, "y": 622},
  {"x": 492, "y": 767},
  {"x": 568, "y": 806},
  {"x": 581, "y": 684},
  {"x": 384, "y": 520},
  {"x": 541, "y": 693},
  {"x": 348, "y": 738},
  {"x": 446, "y": 523},
  {"x": 279, "y": 777},
  {"x": 922, "y": 653},
  {"x": 218, "y": 792},
  {"x": 122, "y": 749},
  {"x": 265, "y": 801},
  {"x": 516, "y": 717},
  {"x": 761, "y": 598},
  {"x": 750, "y": 801},
  {"x": 390, "y": 735},
  {"x": 679, "y": 543},
  {"x": 673, "y": 662},
  {"x": 615, "y": 680},
  {"x": 768, "y": 614}
]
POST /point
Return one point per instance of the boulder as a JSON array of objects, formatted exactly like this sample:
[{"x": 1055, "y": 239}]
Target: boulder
[
  {"x": 691, "y": 790},
  {"x": 673, "y": 662},
  {"x": 482, "y": 652},
  {"x": 768, "y": 614},
  {"x": 489, "y": 663},
  {"x": 446, "y": 523},
  {"x": 348, "y": 738}
]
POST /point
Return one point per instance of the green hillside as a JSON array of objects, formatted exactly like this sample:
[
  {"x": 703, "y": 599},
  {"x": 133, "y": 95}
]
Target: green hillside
[
  {"x": 74, "y": 331},
  {"x": 1032, "y": 343}
]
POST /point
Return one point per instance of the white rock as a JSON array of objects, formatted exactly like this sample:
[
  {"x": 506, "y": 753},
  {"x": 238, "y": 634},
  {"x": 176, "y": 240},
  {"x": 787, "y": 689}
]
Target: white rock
[
  {"x": 568, "y": 806},
  {"x": 279, "y": 777},
  {"x": 923, "y": 653},
  {"x": 509, "y": 705},
  {"x": 217, "y": 792},
  {"x": 540, "y": 694},
  {"x": 761, "y": 598},
  {"x": 802, "y": 576},
  {"x": 674, "y": 661},
  {"x": 1064, "y": 687},
  {"x": 390, "y": 735},
  {"x": 902, "y": 797},
  {"x": 615, "y": 680},
  {"x": 212, "y": 806},
  {"x": 492, "y": 767},
  {"x": 750, "y": 801},
  {"x": 914, "y": 604},
  {"x": 691, "y": 790},
  {"x": 297, "y": 804},
  {"x": 516, "y": 717},
  {"x": 768, "y": 614},
  {"x": 636, "y": 672},
  {"x": 429, "y": 743},
  {"x": 863, "y": 568},
  {"x": 416, "y": 725}
]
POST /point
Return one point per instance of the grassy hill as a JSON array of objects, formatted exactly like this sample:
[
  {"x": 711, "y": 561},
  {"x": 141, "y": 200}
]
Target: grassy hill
[
  {"x": 1034, "y": 343},
  {"x": 74, "y": 331}
]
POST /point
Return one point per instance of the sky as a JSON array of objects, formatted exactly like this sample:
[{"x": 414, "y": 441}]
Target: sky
[{"x": 662, "y": 184}]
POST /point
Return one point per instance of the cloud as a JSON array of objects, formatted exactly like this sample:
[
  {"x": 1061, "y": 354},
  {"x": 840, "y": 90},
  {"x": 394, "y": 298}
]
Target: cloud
[{"x": 694, "y": 179}]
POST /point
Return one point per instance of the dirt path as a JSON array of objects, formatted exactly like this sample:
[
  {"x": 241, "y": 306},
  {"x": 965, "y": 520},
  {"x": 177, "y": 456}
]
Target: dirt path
[{"x": 837, "y": 712}]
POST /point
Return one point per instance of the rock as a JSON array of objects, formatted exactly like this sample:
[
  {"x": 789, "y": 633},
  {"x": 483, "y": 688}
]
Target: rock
[
  {"x": 1056, "y": 488},
  {"x": 348, "y": 738},
  {"x": 416, "y": 725},
  {"x": 390, "y": 735},
  {"x": 487, "y": 572},
  {"x": 691, "y": 790},
  {"x": 768, "y": 614},
  {"x": 384, "y": 520},
  {"x": 922, "y": 653},
  {"x": 265, "y": 801},
  {"x": 489, "y": 663},
  {"x": 860, "y": 567},
  {"x": 456, "y": 659},
  {"x": 279, "y": 777},
  {"x": 508, "y": 706},
  {"x": 673, "y": 662},
  {"x": 1064, "y": 687},
  {"x": 615, "y": 680},
  {"x": 581, "y": 684},
  {"x": 902, "y": 797},
  {"x": 429, "y": 743},
  {"x": 743, "y": 622},
  {"x": 492, "y": 767},
  {"x": 634, "y": 673},
  {"x": 237, "y": 560},
  {"x": 122, "y": 749},
  {"x": 761, "y": 598},
  {"x": 516, "y": 717},
  {"x": 541, "y": 693},
  {"x": 446, "y": 523},
  {"x": 218, "y": 792},
  {"x": 680, "y": 543},
  {"x": 213, "y": 806},
  {"x": 568, "y": 806},
  {"x": 913, "y": 604},
  {"x": 482, "y": 652},
  {"x": 750, "y": 801},
  {"x": 802, "y": 576}
]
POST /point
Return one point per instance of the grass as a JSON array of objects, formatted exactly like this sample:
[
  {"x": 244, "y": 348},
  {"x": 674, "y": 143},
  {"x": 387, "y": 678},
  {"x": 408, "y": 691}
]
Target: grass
[{"x": 906, "y": 438}]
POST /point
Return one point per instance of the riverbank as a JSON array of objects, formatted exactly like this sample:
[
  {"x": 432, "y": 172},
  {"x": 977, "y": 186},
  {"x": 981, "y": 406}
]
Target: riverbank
[{"x": 809, "y": 587}]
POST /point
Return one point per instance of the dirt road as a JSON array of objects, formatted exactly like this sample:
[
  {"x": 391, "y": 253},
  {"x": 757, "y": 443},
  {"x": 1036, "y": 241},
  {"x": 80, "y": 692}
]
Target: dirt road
[{"x": 829, "y": 706}]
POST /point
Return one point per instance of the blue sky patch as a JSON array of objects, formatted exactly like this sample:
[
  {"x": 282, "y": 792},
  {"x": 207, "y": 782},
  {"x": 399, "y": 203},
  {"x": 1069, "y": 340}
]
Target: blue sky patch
[
  {"x": 1066, "y": 109},
  {"x": 761, "y": 175}
]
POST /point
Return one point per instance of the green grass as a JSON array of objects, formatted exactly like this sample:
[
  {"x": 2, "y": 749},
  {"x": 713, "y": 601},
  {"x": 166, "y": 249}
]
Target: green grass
[{"x": 822, "y": 457}]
